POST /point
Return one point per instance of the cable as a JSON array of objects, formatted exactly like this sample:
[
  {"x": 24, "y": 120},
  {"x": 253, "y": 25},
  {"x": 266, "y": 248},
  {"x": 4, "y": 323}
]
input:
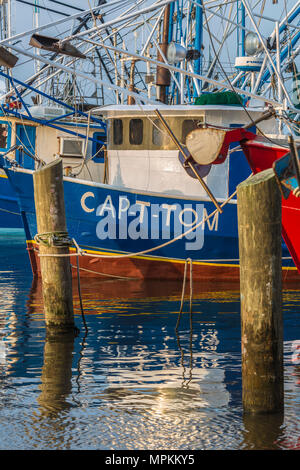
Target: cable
[
  {"x": 43, "y": 8},
  {"x": 66, "y": 5},
  {"x": 229, "y": 82}
]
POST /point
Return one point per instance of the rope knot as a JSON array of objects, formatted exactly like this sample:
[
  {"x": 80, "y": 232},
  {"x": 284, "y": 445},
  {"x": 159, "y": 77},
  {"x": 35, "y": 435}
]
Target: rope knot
[{"x": 53, "y": 239}]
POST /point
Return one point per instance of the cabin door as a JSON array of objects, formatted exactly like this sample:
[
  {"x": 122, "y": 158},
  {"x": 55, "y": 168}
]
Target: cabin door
[{"x": 25, "y": 136}]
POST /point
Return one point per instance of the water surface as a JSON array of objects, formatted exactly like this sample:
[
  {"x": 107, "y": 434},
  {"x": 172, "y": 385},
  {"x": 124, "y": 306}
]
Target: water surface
[{"x": 130, "y": 382}]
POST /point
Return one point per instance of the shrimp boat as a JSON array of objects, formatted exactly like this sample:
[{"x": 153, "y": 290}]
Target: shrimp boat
[
  {"x": 36, "y": 125},
  {"x": 159, "y": 207},
  {"x": 152, "y": 215},
  {"x": 37, "y": 140}
]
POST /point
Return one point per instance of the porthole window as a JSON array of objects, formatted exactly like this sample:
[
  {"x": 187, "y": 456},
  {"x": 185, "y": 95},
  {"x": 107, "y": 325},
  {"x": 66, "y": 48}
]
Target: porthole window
[
  {"x": 136, "y": 131},
  {"x": 117, "y": 131}
]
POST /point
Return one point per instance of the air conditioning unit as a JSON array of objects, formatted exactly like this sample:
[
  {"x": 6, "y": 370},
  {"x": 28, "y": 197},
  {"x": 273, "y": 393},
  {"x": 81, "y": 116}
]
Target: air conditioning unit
[
  {"x": 71, "y": 147},
  {"x": 46, "y": 112}
]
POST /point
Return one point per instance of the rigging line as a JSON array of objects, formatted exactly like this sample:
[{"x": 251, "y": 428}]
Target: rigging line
[
  {"x": 117, "y": 32},
  {"x": 294, "y": 72},
  {"x": 43, "y": 8},
  {"x": 46, "y": 68},
  {"x": 53, "y": 56},
  {"x": 266, "y": 51},
  {"x": 66, "y": 5},
  {"x": 261, "y": 12},
  {"x": 60, "y": 21},
  {"x": 175, "y": 69},
  {"x": 214, "y": 13},
  {"x": 14, "y": 132},
  {"x": 230, "y": 84}
]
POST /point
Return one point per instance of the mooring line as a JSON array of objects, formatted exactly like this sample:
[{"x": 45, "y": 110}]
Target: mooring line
[
  {"x": 79, "y": 291},
  {"x": 186, "y": 381},
  {"x": 188, "y": 260}
]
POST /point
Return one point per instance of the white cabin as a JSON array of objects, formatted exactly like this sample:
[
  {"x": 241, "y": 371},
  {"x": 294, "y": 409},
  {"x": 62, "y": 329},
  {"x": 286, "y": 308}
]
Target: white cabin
[
  {"x": 66, "y": 139},
  {"x": 142, "y": 156}
]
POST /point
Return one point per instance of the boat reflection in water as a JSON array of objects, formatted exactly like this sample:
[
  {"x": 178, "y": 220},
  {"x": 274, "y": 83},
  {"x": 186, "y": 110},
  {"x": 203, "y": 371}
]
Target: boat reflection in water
[{"x": 131, "y": 382}]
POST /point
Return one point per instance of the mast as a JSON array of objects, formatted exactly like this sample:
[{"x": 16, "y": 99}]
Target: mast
[
  {"x": 163, "y": 75},
  {"x": 37, "y": 63},
  {"x": 6, "y": 29},
  {"x": 241, "y": 21},
  {"x": 198, "y": 44}
]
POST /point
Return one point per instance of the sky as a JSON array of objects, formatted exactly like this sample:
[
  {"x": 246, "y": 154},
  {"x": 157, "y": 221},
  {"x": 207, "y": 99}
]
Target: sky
[{"x": 23, "y": 19}]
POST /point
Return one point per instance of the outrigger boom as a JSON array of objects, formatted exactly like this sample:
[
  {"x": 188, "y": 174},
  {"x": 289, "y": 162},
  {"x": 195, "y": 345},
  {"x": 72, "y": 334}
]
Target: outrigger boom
[{"x": 210, "y": 146}]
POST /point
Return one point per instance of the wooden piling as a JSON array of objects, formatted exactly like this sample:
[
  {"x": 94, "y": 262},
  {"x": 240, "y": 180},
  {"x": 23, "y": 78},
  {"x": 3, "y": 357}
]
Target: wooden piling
[
  {"x": 259, "y": 226},
  {"x": 55, "y": 270}
]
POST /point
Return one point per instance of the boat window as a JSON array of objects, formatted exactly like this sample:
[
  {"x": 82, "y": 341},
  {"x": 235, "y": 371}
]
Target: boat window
[
  {"x": 3, "y": 135},
  {"x": 189, "y": 125},
  {"x": 157, "y": 133},
  {"x": 136, "y": 131},
  {"x": 99, "y": 140},
  {"x": 118, "y": 131}
]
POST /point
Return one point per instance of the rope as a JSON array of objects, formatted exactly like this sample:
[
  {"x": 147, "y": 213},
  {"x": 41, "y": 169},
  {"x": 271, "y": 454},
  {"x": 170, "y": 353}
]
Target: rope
[
  {"x": 79, "y": 293},
  {"x": 53, "y": 239},
  {"x": 186, "y": 381},
  {"x": 188, "y": 260},
  {"x": 106, "y": 275},
  {"x": 296, "y": 192},
  {"x": 10, "y": 212}
]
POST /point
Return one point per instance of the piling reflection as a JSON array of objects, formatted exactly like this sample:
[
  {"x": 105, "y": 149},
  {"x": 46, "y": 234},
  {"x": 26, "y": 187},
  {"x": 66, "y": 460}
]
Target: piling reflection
[
  {"x": 263, "y": 432},
  {"x": 56, "y": 377}
]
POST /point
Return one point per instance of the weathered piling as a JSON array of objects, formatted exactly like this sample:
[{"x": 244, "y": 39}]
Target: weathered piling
[
  {"x": 53, "y": 240},
  {"x": 259, "y": 226}
]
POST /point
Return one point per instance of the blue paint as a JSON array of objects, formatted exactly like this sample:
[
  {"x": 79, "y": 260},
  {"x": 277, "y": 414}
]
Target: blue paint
[
  {"x": 98, "y": 141},
  {"x": 25, "y": 136},
  {"x": 239, "y": 168},
  {"x": 241, "y": 21},
  {"x": 198, "y": 44},
  {"x": 52, "y": 98},
  {"x": 92, "y": 211},
  {"x": 49, "y": 124}
]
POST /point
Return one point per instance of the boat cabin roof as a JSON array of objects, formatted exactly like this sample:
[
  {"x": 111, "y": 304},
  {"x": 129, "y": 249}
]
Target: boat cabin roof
[{"x": 125, "y": 110}]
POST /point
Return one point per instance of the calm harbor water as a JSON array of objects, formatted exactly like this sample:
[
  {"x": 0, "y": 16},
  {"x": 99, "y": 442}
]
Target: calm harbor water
[{"x": 130, "y": 382}]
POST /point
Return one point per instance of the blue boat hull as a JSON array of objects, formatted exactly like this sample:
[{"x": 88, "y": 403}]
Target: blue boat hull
[
  {"x": 125, "y": 233},
  {"x": 10, "y": 216}
]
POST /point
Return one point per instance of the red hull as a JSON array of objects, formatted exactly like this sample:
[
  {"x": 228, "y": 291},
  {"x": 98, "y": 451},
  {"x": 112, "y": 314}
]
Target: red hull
[
  {"x": 151, "y": 269},
  {"x": 261, "y": 156}
]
